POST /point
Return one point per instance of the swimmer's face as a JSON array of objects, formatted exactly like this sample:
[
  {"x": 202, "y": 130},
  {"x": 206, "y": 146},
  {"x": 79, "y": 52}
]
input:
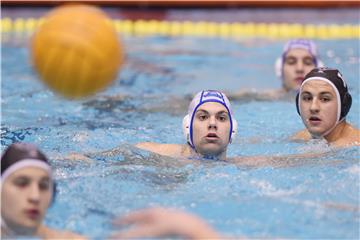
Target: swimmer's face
[
  {"x": 25, "y": 197},
  {"x": 318, "y": 104},
  {"x": 211, "y": 129},
  {"x": 297, "y": 63}
]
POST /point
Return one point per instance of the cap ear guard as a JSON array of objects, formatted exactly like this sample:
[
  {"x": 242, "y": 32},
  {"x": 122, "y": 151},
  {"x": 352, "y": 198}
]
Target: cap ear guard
[
  {"x": 234, "y": 130},
  {"x": 297, "y": 103},
  {"x": 186, "y": 128},
  {"x": 345, "y": 105},
  {"x": 278, "y": 67}
]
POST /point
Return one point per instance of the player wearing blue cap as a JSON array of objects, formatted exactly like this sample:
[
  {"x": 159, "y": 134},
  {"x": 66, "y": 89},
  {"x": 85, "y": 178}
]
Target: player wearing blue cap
[
  {"x": 299, "y": 56},
  {"x": 209, "y": 127}
]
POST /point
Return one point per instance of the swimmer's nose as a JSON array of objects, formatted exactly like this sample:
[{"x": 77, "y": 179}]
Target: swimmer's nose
[
  {"x": 314, "y": 108},
  {"x": 212, "y": 123},
  {"x": 34, "y": 194},
  {"x": 299, "y": 67}
]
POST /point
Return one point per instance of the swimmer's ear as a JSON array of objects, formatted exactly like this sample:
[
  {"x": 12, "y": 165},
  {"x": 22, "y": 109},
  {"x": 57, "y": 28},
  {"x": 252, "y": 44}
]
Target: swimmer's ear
[
  {"x": 345, "y": 105},
  {"x": 278, "y": 67},
  {"x": 186, "y": 127}
]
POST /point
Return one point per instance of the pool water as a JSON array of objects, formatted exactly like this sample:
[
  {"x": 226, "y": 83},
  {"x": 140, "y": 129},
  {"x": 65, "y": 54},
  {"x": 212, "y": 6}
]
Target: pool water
[{"x": 306, "y": 198}]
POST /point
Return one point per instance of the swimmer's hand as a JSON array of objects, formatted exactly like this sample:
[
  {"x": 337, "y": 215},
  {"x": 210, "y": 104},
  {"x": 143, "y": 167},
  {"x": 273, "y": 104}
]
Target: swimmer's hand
[{"x": 162, "y": 222}]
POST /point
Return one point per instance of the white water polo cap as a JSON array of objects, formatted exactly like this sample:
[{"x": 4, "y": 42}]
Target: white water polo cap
[
  {"x": 306, "y": 44},
  {"x": 201, "y": 98}
]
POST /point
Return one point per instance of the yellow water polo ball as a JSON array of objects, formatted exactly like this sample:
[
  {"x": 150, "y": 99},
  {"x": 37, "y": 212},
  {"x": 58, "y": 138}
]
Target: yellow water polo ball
[{"x": 76, "y": 50}]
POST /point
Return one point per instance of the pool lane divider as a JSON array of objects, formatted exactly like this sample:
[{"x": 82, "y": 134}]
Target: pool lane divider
[{"x": 207, "y": 29}]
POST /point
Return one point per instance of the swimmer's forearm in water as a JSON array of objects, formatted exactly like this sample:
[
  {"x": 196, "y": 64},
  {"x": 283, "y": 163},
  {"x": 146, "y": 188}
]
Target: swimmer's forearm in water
[
  {"x": 162, "y": 222},
  {"x": 112, "y": 154},
  {"x": 266, "y": 95},
  {"x": 127, "y": 153},
  {"x": 291, "y": 160}
]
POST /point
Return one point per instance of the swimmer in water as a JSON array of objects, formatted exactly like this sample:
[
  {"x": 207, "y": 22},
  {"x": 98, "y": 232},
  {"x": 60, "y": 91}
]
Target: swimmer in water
[
  {"x": 323, "y": 103},
  {"x": 209, "y": 127},
  {"x": 27, "y": 190},
  {"x": 299, "y": 57}
]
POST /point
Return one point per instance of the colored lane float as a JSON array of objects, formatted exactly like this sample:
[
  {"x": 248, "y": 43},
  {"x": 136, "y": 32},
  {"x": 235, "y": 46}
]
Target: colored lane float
[{"x": 207, "y": 29}]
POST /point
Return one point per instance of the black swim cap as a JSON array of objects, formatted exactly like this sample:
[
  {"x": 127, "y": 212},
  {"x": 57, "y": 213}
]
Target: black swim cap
[
  {"x": 17, "y": 152},
  {"x": 19, "y": 155},
  {"x": 336, "y": 80}
]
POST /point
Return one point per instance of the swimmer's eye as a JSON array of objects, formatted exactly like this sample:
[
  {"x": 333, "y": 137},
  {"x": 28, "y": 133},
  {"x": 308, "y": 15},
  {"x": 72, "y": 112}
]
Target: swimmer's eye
[
  {"x": 223, "y": 118},
  {"x": 306, "y": 98},
  {"x": 308, "y": 61},
  {"x": 325, "y": 99},
  {"x": 290, "y": 60},
  {"x": 202, "y": 117},
  {"x": 44, "y": 185},
  {"x": 22, "y": 182}
]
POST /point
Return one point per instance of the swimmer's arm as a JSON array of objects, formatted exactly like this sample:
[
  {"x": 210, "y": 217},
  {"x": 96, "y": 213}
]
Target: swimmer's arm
[
  {"x": 161, "y": 222},
  {"x": 160, "y": 154},
  {"x": 252, "y": 94},
  {"x": 170, "y": 150},
  {"x": 72, "y": 157},
  {"x": 48, "y": 233},
  {"x": 89, "y": 157}
]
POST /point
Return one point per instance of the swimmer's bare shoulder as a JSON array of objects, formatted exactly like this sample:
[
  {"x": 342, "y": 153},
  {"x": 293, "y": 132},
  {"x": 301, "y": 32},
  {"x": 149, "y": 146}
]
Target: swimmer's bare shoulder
[
  {"x": 351, "y": 137},
  {"x": 172, "y": 150},
  {"x": 303, "y": 135}
]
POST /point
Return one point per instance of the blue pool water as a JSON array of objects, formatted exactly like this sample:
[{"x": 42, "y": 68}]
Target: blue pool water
[{"x": 311, "y": 198}]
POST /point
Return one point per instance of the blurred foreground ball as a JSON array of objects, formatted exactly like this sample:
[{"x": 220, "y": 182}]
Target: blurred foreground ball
[{"x": 76, "y": 51}]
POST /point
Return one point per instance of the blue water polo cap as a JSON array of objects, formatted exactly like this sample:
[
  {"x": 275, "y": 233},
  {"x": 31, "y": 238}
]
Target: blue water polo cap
[
  {"x": 306, "y": 44},
  {"x": 201, "y": 98}
]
